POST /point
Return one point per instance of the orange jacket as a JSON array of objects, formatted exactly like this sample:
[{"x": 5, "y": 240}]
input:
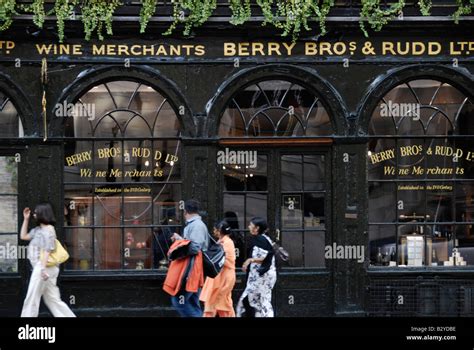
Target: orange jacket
[{"x": 178, "y": 271}]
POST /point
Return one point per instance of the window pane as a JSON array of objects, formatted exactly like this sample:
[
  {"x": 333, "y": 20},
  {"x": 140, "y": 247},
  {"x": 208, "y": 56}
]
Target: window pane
[
  {"x": 8, "y": 213},
  {"x": 382, "y": 244},
  {"x": 108, "y": 248},
  {"x": 9, "y": 260},
  {"x": 292, "y": 211},
  {"x": 439, "y": 201},
  {"x": 256, "y": 178},
  {"x": 234, "y": 207},
  {"x": 382, "y": 202},
  {"x": 78, "y": 205},
  {"x": 234, "y": 178},
  {"x": 314, "y": 173},
  {"x": 291, "y": 173},
  {"x": 10, "y": 123},
  {"x": 440, "y": 244},
  {"x": 138, "y": 248},
  {"x": 137, "y": 208},
  {"x": 256, "y": 205},
  {"x": 166, "y": 204},
  {"x": 79, "y": 246},
  {"x": 8, "y": 175},
  {"x": 465, "y": 242},
  {"x": 411, "y": 199},
  {"x": 314, "y": 248},
  {"x": 293, "y": 243},
  {"x": 465, "y": 202},
  {"x": 465, "y": 126},
  {"x": 465, "y": 163},
  {"x": 108, "y": 208},
  {"x": 314, "y": 211}
]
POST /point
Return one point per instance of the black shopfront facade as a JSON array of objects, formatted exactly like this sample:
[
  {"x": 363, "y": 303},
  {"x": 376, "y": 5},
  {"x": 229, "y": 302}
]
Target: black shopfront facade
[{"x": 134, "y": 125}]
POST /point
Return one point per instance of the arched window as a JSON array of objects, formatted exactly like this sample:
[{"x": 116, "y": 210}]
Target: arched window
[
  {"x": 421, "y": 172},
  {"x": 275, "y": 108},
  {"x": 10, "y": 122},
  {"x": 10, "y": 127},
  {"x": 122, "y": 181}
]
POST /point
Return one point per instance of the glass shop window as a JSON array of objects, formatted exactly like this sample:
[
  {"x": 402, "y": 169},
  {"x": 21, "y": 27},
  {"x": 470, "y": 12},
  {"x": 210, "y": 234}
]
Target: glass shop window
[
  {"x": 10, "y": 127},
  {"x": 122, "y": 178},
  {"x": 421, "y": 177}
]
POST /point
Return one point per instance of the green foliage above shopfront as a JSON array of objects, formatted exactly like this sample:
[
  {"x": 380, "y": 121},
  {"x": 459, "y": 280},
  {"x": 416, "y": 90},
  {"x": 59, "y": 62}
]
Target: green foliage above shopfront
[{"x": 289, "y": 16}]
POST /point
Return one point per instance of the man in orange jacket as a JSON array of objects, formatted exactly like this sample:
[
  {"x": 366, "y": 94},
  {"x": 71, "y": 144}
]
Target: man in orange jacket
[{"x": 187, "y": 302}]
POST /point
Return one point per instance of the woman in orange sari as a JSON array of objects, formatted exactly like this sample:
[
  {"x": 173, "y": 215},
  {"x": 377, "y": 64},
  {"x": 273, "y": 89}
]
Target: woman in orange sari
[{"x": 217, "y": 292}]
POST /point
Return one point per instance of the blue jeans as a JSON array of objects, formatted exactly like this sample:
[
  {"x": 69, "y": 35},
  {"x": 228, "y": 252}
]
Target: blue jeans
[{"x": 187, "y": 304}]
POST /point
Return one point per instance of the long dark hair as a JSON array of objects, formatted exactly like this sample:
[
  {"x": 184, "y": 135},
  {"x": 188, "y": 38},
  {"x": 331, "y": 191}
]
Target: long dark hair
[
  {"x": 223, "y": 227},
  {"x": 44, "y": 214},
  {"x": 261, "y": 223}
]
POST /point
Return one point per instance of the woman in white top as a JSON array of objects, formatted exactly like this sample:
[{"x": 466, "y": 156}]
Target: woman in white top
[{"x": 43, "y": 279}]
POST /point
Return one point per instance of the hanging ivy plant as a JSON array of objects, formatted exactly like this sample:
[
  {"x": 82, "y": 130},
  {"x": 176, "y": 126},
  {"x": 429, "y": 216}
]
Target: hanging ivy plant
[
  {"x": 464, "y": 8},
  {"x": 376, "y": 16},
  {"x": 241, "y": 11},
  {"x": 290, "y": 16},
  {"x": 425, "y": 7},
  {"x": 147, "y": 11},
  {"x": 7, "y": 11},
  {"x": 37, "y": 9},
  {"x": 297, "y": 14},
  {"x": 64, "y": 9},
  {"x": 96, "y": 14},
  {"x": 192, "y": 13}
]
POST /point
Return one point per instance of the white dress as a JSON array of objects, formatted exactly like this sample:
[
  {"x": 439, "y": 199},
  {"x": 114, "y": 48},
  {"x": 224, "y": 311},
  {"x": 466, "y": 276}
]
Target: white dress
[{"x": 259, "y": 288}]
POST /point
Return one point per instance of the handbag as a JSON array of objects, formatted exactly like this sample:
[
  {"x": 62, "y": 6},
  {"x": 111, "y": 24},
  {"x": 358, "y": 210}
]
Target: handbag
[
  {"x": 56, "y": 257},
  {"x": 281, "y": 253},
  {"x": 213, "y": 258}
]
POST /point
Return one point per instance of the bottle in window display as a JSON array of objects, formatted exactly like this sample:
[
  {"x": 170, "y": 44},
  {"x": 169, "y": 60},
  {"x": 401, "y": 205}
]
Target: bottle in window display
[
  {"x": 393, "y": 254},
  {"x": 434, "y": 258},
  {"x": 379, "y": 258}
]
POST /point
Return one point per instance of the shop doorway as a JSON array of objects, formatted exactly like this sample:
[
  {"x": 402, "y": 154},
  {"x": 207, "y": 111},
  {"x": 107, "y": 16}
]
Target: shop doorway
[{"x": 288, "y": 187}]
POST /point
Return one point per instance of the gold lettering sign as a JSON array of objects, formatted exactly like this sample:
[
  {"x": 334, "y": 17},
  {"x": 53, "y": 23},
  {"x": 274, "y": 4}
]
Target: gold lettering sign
[
  {"x": 455, "y": 155},
  {"x": 116, "y": 152},
  {"x": 323, "y": 49}
]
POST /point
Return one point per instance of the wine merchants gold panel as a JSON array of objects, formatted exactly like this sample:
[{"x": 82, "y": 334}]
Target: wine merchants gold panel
[
  {"x": 439, "y": 154},
  {"x": 222, "y": 48}
]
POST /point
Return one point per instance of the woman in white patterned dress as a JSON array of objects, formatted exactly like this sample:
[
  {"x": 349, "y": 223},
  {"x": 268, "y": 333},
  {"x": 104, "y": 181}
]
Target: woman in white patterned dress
[{"x": 256, "y": 300}]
